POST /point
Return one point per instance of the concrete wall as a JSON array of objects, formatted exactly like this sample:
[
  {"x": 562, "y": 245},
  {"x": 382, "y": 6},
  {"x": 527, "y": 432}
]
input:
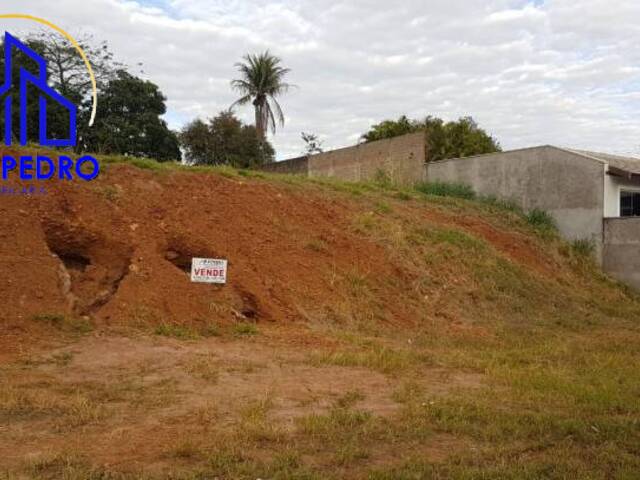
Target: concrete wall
[
  {"x": 295, "y": 166},
  {"x": 568, "y": 186},
  {"x": 401, "y": 158},
  {"x": 621, "y": 257}
]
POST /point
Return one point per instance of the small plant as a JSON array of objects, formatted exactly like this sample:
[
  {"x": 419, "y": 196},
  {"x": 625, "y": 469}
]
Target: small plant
[
  {"x": 444, "y": 189},
  {"x": 211, "y": 330},
  {"x": 541, "y": 220},
  {"x": 403, "y": 196},
  {"x": 245, "y": 329},
  {"x": 58, "y": 320},
  {"x": 111, "y": 193},
  {"x": 176, "y": 331},
  {"x": 382, "y": 207},
  {"x": 205, "y": 367},
  {"x": 62, "y": 359},
  {"x": 382, "y": 178},
  {"x": 80, "y": 325},
  {"x": 53, "y": 318},
  {"x": 501, "y": 204},
  {"x": 584, "y": 247},
  {"x": 316, "y": 245},
  {"x": 186, "y": 449}
]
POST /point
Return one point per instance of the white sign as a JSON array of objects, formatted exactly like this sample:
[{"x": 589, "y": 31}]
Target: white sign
[{"x": 208, "y": 270}]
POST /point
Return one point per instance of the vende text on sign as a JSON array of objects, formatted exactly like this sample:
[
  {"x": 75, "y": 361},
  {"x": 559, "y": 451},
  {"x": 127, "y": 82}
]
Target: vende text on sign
[{"x": 208, "y": 270}]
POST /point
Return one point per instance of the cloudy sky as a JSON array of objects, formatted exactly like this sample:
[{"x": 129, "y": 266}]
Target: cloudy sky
[{"x": 564, "y": 72}]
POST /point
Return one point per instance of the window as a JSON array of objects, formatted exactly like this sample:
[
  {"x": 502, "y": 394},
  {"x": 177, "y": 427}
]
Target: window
[{"x": 629, "y": 204}]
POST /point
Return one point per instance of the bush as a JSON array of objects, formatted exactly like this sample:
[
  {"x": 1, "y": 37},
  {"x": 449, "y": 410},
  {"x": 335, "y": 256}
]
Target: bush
[
  {"x": 584, "y": 247},
  {"x": 443, "y": 189},
  {"x": 541, "y": 220}
]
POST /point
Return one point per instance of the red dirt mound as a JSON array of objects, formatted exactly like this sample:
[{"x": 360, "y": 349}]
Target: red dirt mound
[{"x": 119, "y": 249}]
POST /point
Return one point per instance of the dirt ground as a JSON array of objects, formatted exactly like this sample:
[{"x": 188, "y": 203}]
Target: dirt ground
[
  {"x": 131, "y": 401},
  {"x": 364, "y": 332}
]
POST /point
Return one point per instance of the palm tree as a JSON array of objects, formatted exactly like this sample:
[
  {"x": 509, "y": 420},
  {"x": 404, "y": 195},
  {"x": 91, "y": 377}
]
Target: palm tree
[{"x": 261, "y": 82}]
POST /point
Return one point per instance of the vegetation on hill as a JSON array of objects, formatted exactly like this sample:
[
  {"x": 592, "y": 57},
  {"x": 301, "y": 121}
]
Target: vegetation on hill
[{"x": 454, "y": 139}]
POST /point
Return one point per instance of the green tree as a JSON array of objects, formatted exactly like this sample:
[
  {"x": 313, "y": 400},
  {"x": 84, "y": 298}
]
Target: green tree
[
  {"x": 261, "y": 81},
  {"x": 460, "y": 138},
  {"x": 392, "y": 128},
  {"x": 128, "y": 121},
  {"x": 224, "y": 140}
]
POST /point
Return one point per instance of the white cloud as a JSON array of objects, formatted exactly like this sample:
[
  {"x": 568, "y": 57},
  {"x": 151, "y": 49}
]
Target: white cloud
[{"x": 560, "y": 71}]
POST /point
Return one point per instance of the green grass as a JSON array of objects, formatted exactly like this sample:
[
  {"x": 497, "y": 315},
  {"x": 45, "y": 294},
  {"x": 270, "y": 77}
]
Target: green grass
[
  {"x": 583, "y": 247},
  {"x": 180, "y": 332},
  {"x": 442, "y": 189},
  {"x": 541, "y": 221},
  {"x": 64, "y": 322},
  {"x": 375, "y": 357},
  {"x": 245, "y": 329}
]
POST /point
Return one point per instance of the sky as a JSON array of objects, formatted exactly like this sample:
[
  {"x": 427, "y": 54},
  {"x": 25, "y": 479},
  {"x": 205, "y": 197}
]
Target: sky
[{"x": 561, "y": 72}]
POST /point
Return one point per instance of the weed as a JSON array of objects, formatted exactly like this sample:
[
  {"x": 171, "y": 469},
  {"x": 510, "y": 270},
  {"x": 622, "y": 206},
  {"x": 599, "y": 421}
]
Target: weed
[
  {"x": 583, "y": 247},
  {"x": 443, "y": 189},
  {"x": 205, "y": 367},
  {"x": 541, "y": 221},
  {"x": 349, "y": 399},
  {"x": 61, "y": 321},
  {"x": 180, "y": 332},
  {"x": 63, "y": 359},
  {"x": 337, "y": 421},
  {"x": 245, "y": 329},
  {"x": 111, "y": 193},
  {"x": 380, "y": 358},
  {"x": 403, "y": 196},
  {"x": 382, "y": 207},
  {"x": 186, "y": 449},
  {"x": 382, "y": 179},
  {"x": 317, "y": 245},
  {"x": 52, "y": 318}
]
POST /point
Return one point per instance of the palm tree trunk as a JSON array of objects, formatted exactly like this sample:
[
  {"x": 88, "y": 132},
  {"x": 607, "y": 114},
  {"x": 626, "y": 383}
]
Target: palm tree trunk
[{"x": 260, "y": 126}]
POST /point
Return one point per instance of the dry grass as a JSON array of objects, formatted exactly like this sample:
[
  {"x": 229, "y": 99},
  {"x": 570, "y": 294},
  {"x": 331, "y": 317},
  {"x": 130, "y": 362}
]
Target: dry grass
[{"x": 557, "y": 353}]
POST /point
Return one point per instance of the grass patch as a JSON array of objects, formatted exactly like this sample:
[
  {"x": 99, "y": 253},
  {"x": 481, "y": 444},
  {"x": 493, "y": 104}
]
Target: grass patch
[
  {"x": 180, "y": 332},
  {"x": 52, "y": 318},
  {"x": 583, "y": 248},
  {"x": 376, "y": 357},
  {"x": 317, "y": 245},
  {"x": 443, "y": 189},
  {"x": 541, "y": 221},
  {"x": 245, "y": 329},
  {"x": 204, "y": 366},
  {"x": 65, "y": 323}
]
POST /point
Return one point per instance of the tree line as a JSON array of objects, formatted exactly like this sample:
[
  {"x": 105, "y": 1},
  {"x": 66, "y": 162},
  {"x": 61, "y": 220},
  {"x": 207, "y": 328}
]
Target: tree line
[{"x": 130, "y": 109}]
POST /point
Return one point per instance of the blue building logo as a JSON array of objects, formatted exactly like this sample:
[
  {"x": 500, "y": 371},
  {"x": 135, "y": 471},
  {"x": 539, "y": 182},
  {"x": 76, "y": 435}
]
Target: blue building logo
[
  {"x": 41, "y": 167},
  {"x": 11, "y": 45}
]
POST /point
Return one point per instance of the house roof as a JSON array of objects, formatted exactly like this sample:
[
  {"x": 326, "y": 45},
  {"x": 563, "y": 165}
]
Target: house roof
[{"x": 619, "y": 165}]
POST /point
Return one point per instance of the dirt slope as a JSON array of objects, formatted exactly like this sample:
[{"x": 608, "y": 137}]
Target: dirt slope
[
  {"x": 364, "y": 332},
  {"x": 118, "y": 250}
]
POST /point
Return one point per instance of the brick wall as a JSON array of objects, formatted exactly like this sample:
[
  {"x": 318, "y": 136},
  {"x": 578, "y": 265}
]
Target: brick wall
[{"x": 401, "y": 158}]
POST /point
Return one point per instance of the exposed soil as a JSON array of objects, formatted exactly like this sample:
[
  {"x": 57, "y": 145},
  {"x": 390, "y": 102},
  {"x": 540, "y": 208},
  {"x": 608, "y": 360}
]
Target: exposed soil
[{"x": 92, "y": 274}]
